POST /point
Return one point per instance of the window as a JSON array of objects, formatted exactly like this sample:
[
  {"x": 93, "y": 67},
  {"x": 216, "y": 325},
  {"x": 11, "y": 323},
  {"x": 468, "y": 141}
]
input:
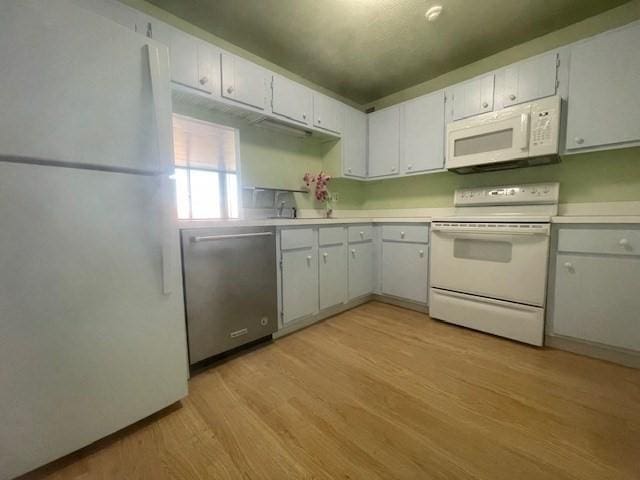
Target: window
[{"x": 206, "y": 169}]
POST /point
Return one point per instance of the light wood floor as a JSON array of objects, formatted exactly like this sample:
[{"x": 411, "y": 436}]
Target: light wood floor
[{"x": 383, "y": 392}]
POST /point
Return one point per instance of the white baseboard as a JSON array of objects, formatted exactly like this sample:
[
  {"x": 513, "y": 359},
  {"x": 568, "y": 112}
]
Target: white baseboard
[{"x": 628, "y": 358}]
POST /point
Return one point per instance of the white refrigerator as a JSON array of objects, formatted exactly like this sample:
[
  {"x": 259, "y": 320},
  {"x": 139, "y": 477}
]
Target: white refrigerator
[{"x": 92, "y": 329}]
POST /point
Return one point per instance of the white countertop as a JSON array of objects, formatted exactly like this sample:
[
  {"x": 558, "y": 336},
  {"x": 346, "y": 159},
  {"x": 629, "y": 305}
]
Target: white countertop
[
  {"x": 289, "y": 222},
  {"x": 183, "y": 224}
]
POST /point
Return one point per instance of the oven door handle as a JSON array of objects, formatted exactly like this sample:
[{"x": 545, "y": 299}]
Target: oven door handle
[{"x": 484, "y": 233}]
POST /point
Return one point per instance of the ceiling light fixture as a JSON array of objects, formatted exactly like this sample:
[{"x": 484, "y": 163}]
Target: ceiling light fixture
[{"x": 433, "y": 13}]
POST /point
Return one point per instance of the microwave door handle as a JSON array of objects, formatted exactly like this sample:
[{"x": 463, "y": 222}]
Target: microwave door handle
[{"x": 524, "y": 131}]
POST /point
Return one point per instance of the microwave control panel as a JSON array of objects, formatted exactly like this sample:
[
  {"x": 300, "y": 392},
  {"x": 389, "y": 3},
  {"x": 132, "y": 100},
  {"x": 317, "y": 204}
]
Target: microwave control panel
[
  {"x": 534, "y": 193},
  {"x": 545, "y": 126}
]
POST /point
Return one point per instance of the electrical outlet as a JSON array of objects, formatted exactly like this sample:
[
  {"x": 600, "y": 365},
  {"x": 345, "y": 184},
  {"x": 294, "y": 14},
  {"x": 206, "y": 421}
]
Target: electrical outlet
[{"x": 335, "y": 197}]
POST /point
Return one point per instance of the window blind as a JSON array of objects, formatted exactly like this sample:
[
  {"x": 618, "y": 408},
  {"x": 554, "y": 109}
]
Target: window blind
[{"x": 203, "y": 145}]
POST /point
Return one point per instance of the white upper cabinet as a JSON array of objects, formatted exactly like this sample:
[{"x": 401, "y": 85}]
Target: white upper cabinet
[
  {"x": 529, "y": 80},
  {"x": 327, "y": 113},
  {"x": 354, "y": 143},
  {"x": 291, "y": 100},
  {"x": 194, "y": 63},
  {"x": 473, "y": 97},
  {"x": 422, "y": 134},
  {"x": 243, "y": 81},
  {"x": 384, "y": 142},
  {"x": 604, "y": 78}
]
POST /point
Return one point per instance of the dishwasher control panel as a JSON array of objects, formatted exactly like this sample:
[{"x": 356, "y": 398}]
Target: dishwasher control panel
[{"x": 528, "y": 194}]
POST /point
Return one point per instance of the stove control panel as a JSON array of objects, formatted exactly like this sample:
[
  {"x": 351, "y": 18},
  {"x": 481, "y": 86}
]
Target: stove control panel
[{"x": 529, "y": 194}]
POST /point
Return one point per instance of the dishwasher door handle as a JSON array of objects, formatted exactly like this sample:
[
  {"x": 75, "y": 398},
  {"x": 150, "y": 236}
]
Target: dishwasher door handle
[{"x": 211, "y": 238}]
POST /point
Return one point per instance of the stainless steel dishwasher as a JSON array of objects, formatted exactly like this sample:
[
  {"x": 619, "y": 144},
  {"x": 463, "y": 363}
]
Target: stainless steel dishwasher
[{"x": 230, "y": 287}]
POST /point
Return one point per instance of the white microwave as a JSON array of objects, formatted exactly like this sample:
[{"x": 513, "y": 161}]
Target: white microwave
[{"x": 523, "y": 135}]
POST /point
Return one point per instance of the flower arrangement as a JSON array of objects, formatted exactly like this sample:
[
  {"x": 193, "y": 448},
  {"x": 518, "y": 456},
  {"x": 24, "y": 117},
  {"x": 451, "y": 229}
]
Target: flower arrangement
[{"x": 322, "y": 192}]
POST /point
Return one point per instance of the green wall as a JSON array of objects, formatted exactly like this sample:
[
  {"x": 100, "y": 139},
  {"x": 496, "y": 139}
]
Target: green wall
[
  {"x": 591, "y": 177},
  {"x": 273, "y": 159}
]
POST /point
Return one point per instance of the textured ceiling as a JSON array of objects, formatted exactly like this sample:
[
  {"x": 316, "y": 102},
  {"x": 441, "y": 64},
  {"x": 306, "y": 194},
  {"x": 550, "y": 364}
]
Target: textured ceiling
[{"x": 366, "y": 49}]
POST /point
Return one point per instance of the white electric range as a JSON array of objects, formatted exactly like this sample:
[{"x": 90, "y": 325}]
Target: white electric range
[{"x": 489, "y": 260}]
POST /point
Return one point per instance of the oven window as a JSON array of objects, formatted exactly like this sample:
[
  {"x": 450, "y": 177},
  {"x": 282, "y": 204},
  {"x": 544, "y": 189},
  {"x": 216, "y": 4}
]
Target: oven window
[
  {"x": 488, "y": 142},
  {"x": 482, "y": 250}
]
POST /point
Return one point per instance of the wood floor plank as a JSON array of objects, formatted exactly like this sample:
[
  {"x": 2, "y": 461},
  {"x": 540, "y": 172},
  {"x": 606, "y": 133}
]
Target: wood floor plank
[{"x": 380, "y": 392}]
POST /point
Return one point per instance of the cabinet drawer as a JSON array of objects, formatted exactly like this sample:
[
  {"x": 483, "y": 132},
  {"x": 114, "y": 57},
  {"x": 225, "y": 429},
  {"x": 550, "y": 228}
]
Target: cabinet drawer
[
  {"x": 296, "y": 238},
  {"x": 360, "y": 233},
  {"x": 406, "y": 233},
  {"x": 332, "y": 235},
  {"x": 607, "y": 241}
]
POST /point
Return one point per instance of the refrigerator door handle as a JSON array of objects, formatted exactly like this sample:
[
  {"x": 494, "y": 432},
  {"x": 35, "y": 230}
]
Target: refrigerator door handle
[{"x": 162, "y": 118}]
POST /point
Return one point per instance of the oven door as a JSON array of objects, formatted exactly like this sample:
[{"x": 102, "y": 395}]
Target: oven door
[
  {"x": 492, "y": 138},
  {"x": 494, "y": 260}
]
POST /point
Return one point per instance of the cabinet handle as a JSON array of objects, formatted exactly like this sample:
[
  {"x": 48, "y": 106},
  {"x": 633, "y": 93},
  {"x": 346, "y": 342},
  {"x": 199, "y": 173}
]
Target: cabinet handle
[
  {"x": 349, "y": 170},
  {"x": 485, "y": 104},
  {"x": 203, "y": 80},
  {"x": 393, "y": 169},
  {"x": 308, "y": 258},
  {"x": 401, "y": 234},
  {"x": 304, "y": 116},
  {"x": 409, "y": 167},
  {"x": 512, "y": 97},
  {"x": 579, "y": 140},
  {"x": 421, "y": 253},
  {"x": 229, "y": 89},
  {"x": 623, "y": 242},
  {"x": 568, "y": 265},
  {"x": 353, "y": 252},
  {"x": 325, "y": 254},
  {"x": 319, "y": 121}
]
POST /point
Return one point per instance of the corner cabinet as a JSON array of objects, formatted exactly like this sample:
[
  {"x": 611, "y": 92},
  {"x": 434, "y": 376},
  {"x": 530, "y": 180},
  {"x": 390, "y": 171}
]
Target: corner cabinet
[
  {"x": 384, "y": 142},
  {"x": 361, "y": 260},
  {"x": 405, "y": 261},
  {"x": 298, "y": 274},
  {"x": 422, "y": 134},
  {"x": 595, "y": 285},
  {"x": 354, "y": 143},
  {"x": 332, "y": 268},
  {"x": 604, "y": 105}
]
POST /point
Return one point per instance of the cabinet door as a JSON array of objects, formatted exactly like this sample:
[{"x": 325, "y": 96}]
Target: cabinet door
[
  {"x": 596, "y": 299},
  {"x": 333, "y": 275},
  {"x": 361, "y": 271},
  {"x": 183, "y": 50},
  {"x": 404, "y": 270},
  {"x": 327, "y": 113},
  {"x": 354, "y": 143},
  {"x": 291, "y": 100},
  {"x": 208, "y": 68},
  {"x": 604, "y": 105},
  {"x": 473, "y": 97},
  {"x": 243, "y": 81},
  {"x": 422, "y": 133},
  {"x": 299, "y": 284},
  {"x": 530, "y": 80},
  {"x": 384, "y": 142}
]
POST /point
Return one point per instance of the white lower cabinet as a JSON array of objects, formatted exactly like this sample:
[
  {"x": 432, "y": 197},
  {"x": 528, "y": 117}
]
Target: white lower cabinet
[
  {"x": 333, "y": 275},
  {"x": 361, "y": 269},
  {"x": 299, "y": 275},
  {"x": 595, "y": 297},
  {"x": 404, "y": 270}
]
